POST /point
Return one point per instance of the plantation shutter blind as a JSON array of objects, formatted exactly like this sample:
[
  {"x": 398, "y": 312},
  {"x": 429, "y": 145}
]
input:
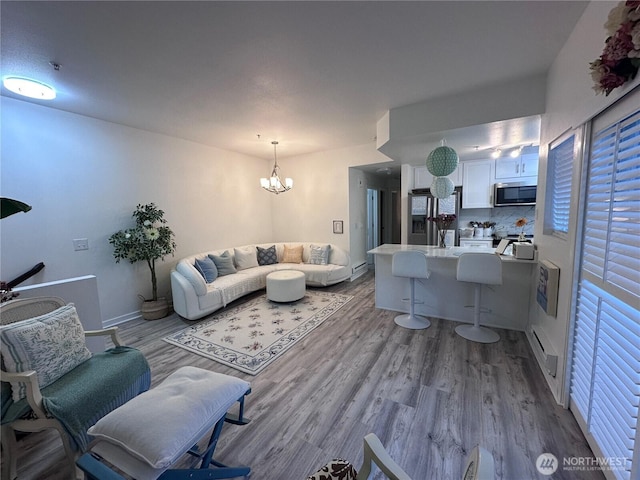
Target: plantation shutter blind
[
  {"x": 612, "y": 214},
  {"x": 561, "y": 159},
  {"x": 605, "y": 374}
]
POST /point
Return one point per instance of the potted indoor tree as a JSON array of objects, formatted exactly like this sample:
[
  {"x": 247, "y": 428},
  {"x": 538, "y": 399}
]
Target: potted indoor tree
[{"x": 148, "y": 241}]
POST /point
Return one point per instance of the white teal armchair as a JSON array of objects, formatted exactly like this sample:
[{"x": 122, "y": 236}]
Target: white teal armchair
[
  {"x": 51, "y": 380},
  {"x": 479, "y": 465}
]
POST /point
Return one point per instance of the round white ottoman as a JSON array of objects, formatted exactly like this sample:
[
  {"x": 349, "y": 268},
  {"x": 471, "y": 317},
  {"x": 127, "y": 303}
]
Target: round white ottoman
[{"x": 285, "y": 286}]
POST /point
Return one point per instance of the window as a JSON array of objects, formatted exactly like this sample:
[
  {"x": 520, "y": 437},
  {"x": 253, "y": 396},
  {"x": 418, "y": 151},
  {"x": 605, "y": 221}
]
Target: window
[
  {"x": 558, "y": 202},
  {"x": 605, "y": 371},
  {"x": 612, "y": 227}
]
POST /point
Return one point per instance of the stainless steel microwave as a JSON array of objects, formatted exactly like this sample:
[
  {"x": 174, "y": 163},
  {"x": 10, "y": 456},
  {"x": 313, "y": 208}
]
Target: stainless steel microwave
[{"x": 508, "y": 194}]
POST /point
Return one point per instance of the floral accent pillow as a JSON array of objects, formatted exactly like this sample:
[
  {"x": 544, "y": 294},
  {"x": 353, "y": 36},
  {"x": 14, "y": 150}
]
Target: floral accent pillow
[
  {"x": 292, "y": 254},
  {"x": 319, "y": 254},
  {"x": 52, "y": 344},
  {"x": 337, "y": 469}
]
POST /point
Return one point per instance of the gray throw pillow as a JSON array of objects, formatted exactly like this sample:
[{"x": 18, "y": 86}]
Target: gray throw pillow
[
  {"x": 267, "y": 256},
  {"x": 207, "y": 269},
  {"x": 224, "y": 263},
  {"x": 319, "y": 255}
]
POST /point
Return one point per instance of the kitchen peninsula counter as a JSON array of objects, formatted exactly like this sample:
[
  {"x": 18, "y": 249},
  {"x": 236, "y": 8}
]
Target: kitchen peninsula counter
[{"x": 506, "y": 305}]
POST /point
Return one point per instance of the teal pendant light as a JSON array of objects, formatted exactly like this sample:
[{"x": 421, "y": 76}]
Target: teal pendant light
[
  {"x": 442, "y": 187},
  {"x": 442, "y": 161}
]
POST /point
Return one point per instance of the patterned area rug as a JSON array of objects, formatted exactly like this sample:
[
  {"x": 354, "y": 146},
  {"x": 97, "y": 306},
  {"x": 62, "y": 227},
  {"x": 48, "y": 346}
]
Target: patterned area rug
[{"x": 252, "y": 335}]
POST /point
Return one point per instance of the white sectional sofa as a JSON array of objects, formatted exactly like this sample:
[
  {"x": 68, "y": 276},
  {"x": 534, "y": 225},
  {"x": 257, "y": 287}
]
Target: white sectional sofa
[{"x": 193, "y": 297}]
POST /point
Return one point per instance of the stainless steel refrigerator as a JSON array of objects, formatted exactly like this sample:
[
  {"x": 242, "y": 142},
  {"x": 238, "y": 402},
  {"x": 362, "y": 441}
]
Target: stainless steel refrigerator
[{"x": 423, "y": 205}]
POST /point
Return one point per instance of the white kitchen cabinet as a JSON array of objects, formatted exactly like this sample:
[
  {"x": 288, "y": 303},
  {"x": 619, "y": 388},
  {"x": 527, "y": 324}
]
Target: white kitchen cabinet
[
  {"x": 529, "y": 165},
  {"x": 477, "y": 184},
  {"x": 423, "y": 179},
  {"x": 472, "y": 242},
  {"x": 456, "y": 176},
  {"x": 525, "y": 165},
  {"x": 507, "y": 167}
]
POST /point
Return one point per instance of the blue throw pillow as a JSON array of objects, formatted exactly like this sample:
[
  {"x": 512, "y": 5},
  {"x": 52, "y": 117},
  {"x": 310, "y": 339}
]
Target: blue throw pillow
[
  {"x": 267, "y": 256},
  {"x": 224, "y": 263},
  {"x": 207, "y": 269}
]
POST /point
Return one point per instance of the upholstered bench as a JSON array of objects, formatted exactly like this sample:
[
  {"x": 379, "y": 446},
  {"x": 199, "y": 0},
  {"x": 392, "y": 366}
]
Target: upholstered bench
[
  {"x": 285, "y": 286},
  {"x": 147, "y": 435}
]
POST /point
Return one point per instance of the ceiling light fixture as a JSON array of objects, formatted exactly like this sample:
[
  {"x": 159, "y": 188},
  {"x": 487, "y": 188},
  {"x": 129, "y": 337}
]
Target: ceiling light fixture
[
  {"x": 515, "y": 152},
  {"x": 442, "y": 161},
  {"x": 274, "y": 184},
  {"x": 496, "y": 153},
  {"x": 29, "y": 88}
]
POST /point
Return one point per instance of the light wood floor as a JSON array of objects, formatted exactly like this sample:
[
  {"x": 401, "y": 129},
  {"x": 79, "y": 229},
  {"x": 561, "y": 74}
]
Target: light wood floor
[{"x": 429, "y": 395}]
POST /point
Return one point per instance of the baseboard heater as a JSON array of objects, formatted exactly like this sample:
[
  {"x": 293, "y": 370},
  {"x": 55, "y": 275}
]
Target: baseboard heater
[
  {"x": 359, "y": 268},
  {"x": 544, "y": 350}
]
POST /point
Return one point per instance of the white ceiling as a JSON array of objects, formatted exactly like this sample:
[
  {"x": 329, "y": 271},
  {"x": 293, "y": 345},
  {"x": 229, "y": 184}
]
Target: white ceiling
[{"x": 312, "y": 75}]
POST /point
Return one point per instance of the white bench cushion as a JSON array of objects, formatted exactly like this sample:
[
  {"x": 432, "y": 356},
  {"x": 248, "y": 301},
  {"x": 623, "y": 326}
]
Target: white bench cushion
[{"x": 160, "y": 425}]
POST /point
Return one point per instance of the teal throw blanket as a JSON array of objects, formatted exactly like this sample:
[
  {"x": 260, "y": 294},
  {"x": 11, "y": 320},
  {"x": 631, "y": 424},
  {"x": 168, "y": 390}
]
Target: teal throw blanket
[{"x": 90, "y": 391}]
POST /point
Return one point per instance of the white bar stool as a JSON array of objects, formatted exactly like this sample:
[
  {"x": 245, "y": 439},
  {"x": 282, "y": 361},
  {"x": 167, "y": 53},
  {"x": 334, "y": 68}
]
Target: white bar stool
[
  {"x": 479, "y": 268},
  {"x": 411, "y": 264}
]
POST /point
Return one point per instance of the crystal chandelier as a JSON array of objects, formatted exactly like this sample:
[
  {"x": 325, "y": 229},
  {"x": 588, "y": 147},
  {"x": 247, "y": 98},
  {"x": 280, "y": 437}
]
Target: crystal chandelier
[{"x": 274, "y": 184}]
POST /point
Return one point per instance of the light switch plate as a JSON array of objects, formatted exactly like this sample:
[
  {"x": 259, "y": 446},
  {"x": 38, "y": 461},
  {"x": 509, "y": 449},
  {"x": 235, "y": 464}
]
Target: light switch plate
[{"x": 80, "y": 244}]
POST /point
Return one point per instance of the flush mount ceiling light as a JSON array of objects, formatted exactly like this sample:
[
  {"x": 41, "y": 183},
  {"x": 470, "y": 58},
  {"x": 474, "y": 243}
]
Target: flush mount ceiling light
[
  {"x": 29, "y": 88},
  {"x": 274, "y": 184}
]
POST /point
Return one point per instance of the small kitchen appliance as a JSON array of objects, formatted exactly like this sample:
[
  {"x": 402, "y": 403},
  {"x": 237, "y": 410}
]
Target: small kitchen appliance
[{"x": 523, "y": 250}]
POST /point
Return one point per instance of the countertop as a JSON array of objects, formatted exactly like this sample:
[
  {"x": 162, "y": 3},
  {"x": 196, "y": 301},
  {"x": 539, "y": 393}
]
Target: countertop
[{"x": 439, "y": 252}]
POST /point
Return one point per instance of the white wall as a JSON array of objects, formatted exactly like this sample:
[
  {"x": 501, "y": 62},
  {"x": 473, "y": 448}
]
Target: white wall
[
  {"x": 570, "y": 103},
  {"x": 321, "y": 193},
  {"x": 83, "y": 177}
]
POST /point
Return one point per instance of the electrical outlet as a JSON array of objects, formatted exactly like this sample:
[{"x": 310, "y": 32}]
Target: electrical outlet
[{"x": 80, "y": 244}]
